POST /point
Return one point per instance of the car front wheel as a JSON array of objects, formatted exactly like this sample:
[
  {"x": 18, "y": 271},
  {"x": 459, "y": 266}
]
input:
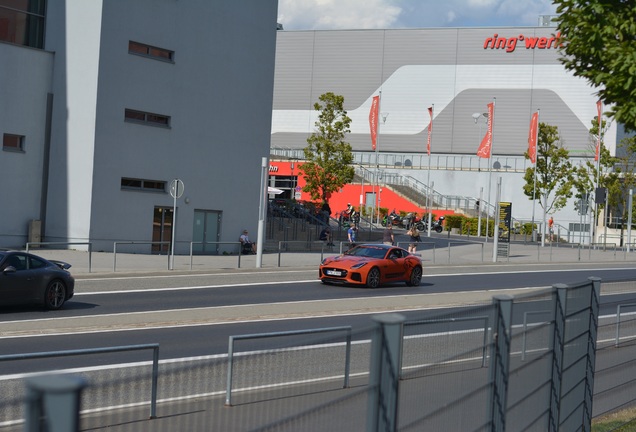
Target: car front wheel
[
  {"x": 416, "y": 277},
  {"x": 55, "y": 295},
  {"x": 373, "y": 278}
]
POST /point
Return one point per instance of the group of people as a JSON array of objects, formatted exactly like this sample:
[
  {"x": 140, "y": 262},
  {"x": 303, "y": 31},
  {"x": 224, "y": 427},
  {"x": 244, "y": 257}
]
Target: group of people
[{"x": 414, "y": 237}]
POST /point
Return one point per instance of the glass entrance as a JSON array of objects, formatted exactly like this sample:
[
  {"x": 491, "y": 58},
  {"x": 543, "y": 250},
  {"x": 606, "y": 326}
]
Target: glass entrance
[
  {"x": 162, "y": 229},
  {"x": 206, "y": 230}
]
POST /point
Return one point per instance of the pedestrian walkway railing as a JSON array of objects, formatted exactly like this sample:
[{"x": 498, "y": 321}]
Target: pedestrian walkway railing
[
  {"x": 137, "y": 243},
  {"x": 89, "y": 244},
  {"x": 239, "y": 253}
]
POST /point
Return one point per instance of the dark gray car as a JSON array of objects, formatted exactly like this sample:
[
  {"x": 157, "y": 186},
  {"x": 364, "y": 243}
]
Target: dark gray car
[{"x": 27, "y": 278}]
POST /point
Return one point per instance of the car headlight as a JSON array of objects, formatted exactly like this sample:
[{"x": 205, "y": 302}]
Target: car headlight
[{"x": 359, "y": 265}]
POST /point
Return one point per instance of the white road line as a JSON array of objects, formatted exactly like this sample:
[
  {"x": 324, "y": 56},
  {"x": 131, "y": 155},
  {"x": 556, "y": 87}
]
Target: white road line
[{"x": 309, "y": 280}]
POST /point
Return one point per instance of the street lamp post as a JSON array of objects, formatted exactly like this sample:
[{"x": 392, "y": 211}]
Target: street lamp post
[
  {"x": 377, "y": 168},
  {"x": 476, "y": 117}
]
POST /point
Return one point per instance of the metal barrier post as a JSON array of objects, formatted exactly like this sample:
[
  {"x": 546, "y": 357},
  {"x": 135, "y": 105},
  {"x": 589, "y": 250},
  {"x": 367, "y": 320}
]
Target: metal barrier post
[
  {"x": 500, "y": 362},
  {"x": 155, "y": 380},
  {"x": 53, "y": 403},
  {"x": 384, "y": 372},
  {"x": 230, "y": 369}
]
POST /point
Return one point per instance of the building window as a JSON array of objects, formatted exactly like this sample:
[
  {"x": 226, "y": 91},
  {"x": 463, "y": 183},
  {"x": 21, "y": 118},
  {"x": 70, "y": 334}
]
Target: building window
[
  {"x": 13, "y": 142},
  {"x": 150, "y": 51},
  {"x": 146, "y": 118},
  {"x": 22, "y": 22},
  {"x": 141, "y": 184}
]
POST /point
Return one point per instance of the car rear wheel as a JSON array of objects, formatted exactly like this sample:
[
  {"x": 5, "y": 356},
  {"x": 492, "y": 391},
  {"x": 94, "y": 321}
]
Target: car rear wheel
[
  {"x": 373, "y": 278},
  {"x": 416, "y": 277},
  {"x": 55, "y": 295}
]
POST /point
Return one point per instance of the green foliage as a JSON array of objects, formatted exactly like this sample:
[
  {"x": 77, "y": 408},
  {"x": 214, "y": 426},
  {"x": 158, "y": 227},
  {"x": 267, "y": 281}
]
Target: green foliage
[
  {"x": 554, "y": 178},
  {"x": 586, "y": 176},
  {"x": 598, "y": 44},
  {"x": 454, "y": 221},
  {"x": 328, "y": 156}
]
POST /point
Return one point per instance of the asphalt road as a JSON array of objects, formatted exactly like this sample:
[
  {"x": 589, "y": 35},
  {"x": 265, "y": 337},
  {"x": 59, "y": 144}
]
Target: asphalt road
[{"x": 192, "y": 316}]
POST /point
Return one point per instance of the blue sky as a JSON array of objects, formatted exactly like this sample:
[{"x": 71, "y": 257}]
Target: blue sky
[{"x": 374, "y": 14}]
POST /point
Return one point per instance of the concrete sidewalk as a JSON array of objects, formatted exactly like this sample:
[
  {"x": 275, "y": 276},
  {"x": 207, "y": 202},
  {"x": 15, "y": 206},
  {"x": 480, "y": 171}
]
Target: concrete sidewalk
[{"x": 439, "y": 251}]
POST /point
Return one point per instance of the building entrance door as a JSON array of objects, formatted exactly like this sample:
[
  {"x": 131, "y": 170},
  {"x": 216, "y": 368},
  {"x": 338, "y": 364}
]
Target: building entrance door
[
  {"x": 162, "y": 229},
  {"x": 206, "y": 229}
]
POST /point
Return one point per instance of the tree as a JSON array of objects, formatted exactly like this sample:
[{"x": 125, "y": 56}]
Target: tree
[
  {"x": 597, "y": 38},
  {"x": 554, "y": 171},
  {"x": 328, "y": 156},
  {"x": 587, "y": 175},
  {"x": 622, "y": 180}
]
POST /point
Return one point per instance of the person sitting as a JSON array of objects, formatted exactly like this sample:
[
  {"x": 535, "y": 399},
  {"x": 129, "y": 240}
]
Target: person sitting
[
  {"x": 325, "y": 235},
  {"x": 246, "y": 245}
]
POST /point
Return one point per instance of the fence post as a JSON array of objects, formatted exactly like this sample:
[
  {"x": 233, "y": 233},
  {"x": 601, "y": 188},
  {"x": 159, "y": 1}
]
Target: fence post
[
  {"x": 53, "y": 403},
  {"x": 595, "y": 300},
  {"x": 500, "y": 361},
  {"x": 557, "y": 346},
  {"x": 384, "y": 373}
]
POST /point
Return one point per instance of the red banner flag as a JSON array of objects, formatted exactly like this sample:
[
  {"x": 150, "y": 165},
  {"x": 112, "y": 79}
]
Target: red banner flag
[
  {"x": 486, "y": 143},
  {"x": 599, "y": 107},
  {"x": 532, "y": 137},
  {"x": 373, "y": 120},
  {"x": 430, "y": 131}
]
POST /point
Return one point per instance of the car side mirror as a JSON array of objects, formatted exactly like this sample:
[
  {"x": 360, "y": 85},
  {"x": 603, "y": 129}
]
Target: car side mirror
[{"x": 9, "y": 269}]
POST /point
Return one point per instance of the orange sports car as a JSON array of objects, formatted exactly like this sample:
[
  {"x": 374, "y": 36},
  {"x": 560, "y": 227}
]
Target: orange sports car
[{"x": 372, "y": 265}]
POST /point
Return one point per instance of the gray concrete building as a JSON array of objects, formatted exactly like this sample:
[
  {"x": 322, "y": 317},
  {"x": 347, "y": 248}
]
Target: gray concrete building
[{"x": 104, "y": 103}]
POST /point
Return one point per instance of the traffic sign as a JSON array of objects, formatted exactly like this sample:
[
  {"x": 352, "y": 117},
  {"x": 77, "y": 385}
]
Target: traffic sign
[{"x": 176, "y": 188}]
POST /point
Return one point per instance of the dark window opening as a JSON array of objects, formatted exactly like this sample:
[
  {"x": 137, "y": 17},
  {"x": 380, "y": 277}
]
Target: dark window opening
[
  {"x": 146, "y": 118},
  {"x": 141, "y": 184},
  {"x": 13, "y": 142},
  {"x": 150, "y": 51}
]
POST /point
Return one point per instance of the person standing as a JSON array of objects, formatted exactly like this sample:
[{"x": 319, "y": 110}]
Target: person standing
[
  {"x": 551, "y": 228},
  {"x": 351, "y": 234},
  {"x": 387, "y": 236},
  {"x": 414, "y": 238}
]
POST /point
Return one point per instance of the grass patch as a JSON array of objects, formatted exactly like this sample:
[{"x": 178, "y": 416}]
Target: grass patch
[{"x": 620, "y": 421}]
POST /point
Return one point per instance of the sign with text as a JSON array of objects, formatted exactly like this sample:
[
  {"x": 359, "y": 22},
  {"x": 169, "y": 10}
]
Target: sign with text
[{"x": 505, "y": 221}]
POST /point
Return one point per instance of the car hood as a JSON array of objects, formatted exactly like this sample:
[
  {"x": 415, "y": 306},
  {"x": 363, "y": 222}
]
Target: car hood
[{"x": 347, "y": 260}]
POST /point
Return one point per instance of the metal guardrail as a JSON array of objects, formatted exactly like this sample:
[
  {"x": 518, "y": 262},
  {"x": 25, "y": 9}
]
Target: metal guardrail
[
  {"x": 90, "y": 248},
  {"x": 618, "y": 320},
  {"x": 483, "y": 318},
  {"x": 525, "y": 329},
  {"x": 230, "y": 355},
  {"x": 240, "y": 250},
  {"x": 68, "y": 353},
  {"x": 283, "y": 247},
  {"x": 465, "y": 243},
  {"x": 135, "y": 242}
]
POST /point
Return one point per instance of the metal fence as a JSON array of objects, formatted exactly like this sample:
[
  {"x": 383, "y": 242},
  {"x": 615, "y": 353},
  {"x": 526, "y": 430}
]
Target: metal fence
[{"x": 527, "y": 363}]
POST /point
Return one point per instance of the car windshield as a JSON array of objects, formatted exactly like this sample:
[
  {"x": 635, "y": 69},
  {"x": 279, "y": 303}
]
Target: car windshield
[{"x": 367, "y": 251}]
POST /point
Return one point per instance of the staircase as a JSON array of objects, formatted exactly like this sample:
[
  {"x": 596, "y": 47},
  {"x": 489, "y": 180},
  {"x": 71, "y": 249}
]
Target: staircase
[{"x": 302, "y": 232}]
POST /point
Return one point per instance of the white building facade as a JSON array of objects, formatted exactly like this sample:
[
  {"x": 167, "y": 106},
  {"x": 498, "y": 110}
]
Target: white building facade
[
  {"x": 458, "y": 71},
  {"x": 115, "y": 100}
]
